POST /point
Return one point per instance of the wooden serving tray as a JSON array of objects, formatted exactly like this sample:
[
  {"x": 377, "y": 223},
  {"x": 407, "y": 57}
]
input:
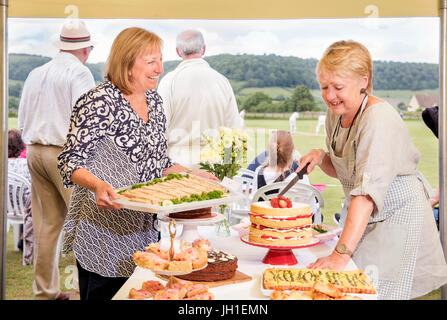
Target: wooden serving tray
[{"x": 237, "y": 278}]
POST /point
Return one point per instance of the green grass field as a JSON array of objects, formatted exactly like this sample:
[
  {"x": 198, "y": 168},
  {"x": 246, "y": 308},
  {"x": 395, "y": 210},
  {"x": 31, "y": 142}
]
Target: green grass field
[{"x": 19, "y": 278}]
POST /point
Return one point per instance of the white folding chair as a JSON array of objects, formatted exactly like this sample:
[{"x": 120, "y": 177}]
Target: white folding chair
[
  {"x": 16, "y": 206},
  {"x": 239, "y": 210},
  {"x": 321, "y": 122},
  {"x": 300, "y": 192}
]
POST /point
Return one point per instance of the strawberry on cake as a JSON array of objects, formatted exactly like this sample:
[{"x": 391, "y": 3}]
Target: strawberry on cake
[{"x": 280, "y": 222}]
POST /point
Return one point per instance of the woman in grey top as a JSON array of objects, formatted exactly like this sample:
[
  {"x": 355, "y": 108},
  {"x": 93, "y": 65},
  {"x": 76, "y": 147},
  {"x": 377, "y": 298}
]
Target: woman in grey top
[{"x": 389, "y": 229}]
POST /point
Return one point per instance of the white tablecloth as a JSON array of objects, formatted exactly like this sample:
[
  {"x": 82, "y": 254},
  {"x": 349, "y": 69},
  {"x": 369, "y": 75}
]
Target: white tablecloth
[{"x": 249, "y": 262}]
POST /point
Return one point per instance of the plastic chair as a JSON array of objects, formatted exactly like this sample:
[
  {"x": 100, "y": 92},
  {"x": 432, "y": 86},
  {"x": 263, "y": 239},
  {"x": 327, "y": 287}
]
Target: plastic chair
[
  {"x": 300, "y": 192},
  {"x": 16, "y": 206},
  {"x": 245, "y": 177}
]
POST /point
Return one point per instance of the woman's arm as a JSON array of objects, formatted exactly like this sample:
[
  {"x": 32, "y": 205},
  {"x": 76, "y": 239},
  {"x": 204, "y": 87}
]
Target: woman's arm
[
  {"x": 359, "y": 211},
  {"x": 104, "y": 192},
  {"x": 176, "y": 168},
  {"x": 318, "y": 157}
]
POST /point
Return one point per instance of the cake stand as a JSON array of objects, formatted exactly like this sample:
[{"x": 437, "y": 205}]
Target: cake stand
[
  {"x": 280, "y": 255},
  {"x": 190, "y": 232},
  {"x": 171, "y": 273}
]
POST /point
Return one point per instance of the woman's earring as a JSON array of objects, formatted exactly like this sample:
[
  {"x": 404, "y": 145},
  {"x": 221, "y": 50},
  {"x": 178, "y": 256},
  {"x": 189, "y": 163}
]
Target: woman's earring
[{"x": 363, "y": 90}]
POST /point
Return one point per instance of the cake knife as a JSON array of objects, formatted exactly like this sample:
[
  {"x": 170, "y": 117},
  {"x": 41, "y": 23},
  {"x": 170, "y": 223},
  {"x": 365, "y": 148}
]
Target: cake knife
[{"x": 299, "y": 176}]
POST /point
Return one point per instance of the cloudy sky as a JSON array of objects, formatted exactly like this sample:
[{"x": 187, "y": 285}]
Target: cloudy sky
[{"x": 389, "y": 39}]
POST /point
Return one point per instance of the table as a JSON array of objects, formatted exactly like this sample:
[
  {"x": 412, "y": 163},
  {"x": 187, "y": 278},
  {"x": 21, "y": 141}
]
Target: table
[{"x": 249, "y": 262}]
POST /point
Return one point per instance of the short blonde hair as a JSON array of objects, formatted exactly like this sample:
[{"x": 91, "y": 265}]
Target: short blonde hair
[
  {"x": 347, "y": 59},
  {"x": 280, "y": 149},
  {"x": 126, "y": 47}
]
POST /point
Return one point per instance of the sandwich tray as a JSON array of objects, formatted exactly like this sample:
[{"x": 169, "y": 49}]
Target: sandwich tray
[{"x": 164, "y": 210}]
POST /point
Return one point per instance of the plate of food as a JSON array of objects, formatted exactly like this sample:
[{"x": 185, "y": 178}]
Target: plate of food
[
  {"x": 325, "y": 232},
  {"x": 176, "y": 289},
  {"x": 316, "y": 284},
  {"x": 184, "y": 259},
  {"x": 175, "y": 193}
]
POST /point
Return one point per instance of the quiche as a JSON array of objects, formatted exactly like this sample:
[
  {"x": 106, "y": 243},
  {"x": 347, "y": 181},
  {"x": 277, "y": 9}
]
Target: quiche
[{"x": 354, "y": 281}]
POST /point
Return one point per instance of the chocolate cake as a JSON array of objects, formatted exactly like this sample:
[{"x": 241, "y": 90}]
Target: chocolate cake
[
  {"x": 221, "y": 266},
  {"x": 192, "y": 214}
]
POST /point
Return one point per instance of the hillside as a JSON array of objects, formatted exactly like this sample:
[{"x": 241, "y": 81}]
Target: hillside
[
  {"x": 245, "y": 71},
  {"x": 21, "y": 64},
  {"x": 276, "y": 75},
  {"x": 271, "y": 71}
]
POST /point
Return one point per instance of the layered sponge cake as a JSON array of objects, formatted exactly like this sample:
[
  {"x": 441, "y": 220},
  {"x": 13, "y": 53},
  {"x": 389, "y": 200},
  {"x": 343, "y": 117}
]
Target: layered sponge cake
[{"x": 288, "y": 224}]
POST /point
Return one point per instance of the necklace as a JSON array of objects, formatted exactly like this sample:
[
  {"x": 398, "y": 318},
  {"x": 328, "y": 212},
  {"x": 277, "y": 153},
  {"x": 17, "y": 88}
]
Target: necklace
[{"x": 337, "y": 127}]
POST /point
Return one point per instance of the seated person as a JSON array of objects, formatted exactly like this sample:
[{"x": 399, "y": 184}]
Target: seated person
[
  {"x": 262, "y": 158},
  {"x": 279, "y": 164},
  {"x": 18, "y": 165},
  {"x": 281, "y": 168}
]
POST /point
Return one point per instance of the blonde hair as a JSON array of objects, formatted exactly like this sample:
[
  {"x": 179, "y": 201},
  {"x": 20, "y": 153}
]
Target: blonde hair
[
  {"x": 347, "y": 59},
  {"x": 280, "y": 149},
  {"x": 127, "y": 46}
]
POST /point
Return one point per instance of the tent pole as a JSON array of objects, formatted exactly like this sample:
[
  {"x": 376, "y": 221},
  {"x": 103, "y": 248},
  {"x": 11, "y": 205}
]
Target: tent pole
[
  {"x": 443, "y": 131},
  {"x": 4, "y": 146}
]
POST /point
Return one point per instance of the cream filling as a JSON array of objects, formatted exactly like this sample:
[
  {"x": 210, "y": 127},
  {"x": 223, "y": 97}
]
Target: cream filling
[{"x": 305, "y": 228}]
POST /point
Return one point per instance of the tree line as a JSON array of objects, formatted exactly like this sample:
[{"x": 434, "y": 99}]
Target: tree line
[
  {"x": 259, "y": 71},
  {"x": 278, "y": 71},
  {"x": 271, "y": 70},
  {"x": 259, "y": 102}
]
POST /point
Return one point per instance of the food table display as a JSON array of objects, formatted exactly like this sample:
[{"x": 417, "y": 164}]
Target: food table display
[
  {"x": 253, "y": 277},
  {"x": 249, "y": 263}
]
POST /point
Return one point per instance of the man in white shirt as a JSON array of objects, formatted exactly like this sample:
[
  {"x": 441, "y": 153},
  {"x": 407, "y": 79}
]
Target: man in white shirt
[
  {"x": 197, "y": 100},
  {"x": 48, "y": 95}
]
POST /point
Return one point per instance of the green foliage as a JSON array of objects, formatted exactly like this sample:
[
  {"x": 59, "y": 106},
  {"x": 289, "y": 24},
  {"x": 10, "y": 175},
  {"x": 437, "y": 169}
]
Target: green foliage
[
  {"x": 246, "y": 70},
  {"x": 20, "y": 65},
  {"x": 251, "y": 102},
  {"x": 15, "y": 88},
  {"x": 301, "y": 100},
  {"x": 401, "y": 106},
  {"x": 388, "y": 75}
]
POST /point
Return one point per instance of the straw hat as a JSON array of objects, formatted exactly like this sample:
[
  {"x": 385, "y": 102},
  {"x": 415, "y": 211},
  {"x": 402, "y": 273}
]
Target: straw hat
[{"x": 74, "y": 35}]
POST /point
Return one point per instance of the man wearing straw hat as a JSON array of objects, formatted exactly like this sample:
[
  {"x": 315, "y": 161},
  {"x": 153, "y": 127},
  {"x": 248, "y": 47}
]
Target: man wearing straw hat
[{"x": 48, "y": 95}]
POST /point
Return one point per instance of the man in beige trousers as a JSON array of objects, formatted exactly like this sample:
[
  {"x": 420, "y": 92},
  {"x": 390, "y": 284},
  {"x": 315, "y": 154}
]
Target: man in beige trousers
[{"x": 48, "y": 95}]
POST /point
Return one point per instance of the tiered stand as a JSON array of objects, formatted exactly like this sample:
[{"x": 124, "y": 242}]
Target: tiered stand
[
  {"x": 190, "y": 232},
  {"x": 172, "y": 233}
]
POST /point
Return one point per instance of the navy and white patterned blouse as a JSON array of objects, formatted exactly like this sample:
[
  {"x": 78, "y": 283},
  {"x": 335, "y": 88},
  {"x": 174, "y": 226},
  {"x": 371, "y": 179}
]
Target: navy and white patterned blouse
[{"x": 109, "y": 139}]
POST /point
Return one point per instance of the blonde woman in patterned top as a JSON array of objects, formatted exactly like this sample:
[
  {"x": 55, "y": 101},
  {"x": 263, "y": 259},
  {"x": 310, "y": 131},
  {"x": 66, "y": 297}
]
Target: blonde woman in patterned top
[
  {"x": 389, "y": 229},
  {"x": 116, "y": 139}
]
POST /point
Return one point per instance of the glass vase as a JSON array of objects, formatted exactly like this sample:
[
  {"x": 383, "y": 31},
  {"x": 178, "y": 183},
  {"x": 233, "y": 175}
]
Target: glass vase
[{"x": 223, "y": 226}]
